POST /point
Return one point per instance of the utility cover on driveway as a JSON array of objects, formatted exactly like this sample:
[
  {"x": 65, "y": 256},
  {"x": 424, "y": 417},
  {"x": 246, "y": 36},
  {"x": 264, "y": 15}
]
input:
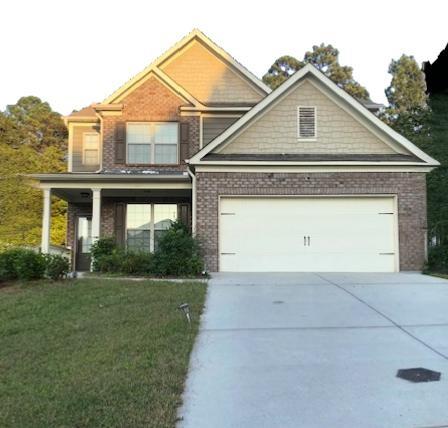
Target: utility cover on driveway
[{"x": 419, "y": 374}]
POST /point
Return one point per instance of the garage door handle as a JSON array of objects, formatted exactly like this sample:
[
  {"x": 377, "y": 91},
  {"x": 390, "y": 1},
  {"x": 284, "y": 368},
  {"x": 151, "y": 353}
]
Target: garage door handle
[
  {"x": 309, "y": 241},
  {"x": 304, "y": 241}
]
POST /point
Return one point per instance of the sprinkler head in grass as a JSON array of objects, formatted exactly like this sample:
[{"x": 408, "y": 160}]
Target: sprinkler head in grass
[{"x": 185, "y": 308}]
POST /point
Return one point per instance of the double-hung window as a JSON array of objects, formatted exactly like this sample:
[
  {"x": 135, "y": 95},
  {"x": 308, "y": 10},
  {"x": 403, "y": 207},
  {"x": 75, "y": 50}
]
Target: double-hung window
[
  {"x": 146, "y": 224},
  {"x": 90, "y": 149},
  {"x": 152, "y": 142}
]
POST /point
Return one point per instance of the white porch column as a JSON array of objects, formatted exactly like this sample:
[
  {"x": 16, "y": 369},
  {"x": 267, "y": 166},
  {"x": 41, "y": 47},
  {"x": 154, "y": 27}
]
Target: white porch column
[
  {"x": 46, "y": 222},
  {"x": 96, "y": 214}
]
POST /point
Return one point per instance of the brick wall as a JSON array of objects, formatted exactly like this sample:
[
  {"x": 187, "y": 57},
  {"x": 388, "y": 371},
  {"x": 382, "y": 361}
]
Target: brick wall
[
  {"x": 409, "y": 187},
  {"x": 151, "y": 101}
]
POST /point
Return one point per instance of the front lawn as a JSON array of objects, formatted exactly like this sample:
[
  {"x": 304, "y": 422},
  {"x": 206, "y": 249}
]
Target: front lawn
[{"x": 95, "y": 352}]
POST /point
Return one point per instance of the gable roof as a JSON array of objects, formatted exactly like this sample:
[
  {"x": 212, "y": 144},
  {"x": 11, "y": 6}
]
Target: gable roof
[
  {"x": 421, "y": 157},
  {"x": 195, "y": 34}
]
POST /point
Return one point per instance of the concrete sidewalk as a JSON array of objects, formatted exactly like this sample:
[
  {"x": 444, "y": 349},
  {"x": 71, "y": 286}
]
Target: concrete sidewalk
[{"x": 319, "y": 350}]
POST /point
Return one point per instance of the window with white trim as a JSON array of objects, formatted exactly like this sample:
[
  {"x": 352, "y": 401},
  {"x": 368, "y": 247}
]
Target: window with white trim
[
  {"x": 152, "y": 142},
  {"x": 90, "y": 149},
  {"x": 306, "y": 123},
  {"x": 146, "y": 224}
]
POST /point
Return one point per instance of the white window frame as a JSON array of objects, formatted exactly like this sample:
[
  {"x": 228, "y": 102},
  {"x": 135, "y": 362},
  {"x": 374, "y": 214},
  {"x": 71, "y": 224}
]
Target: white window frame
[
  {"x": 152, "y": 143},
  {"x": 84, "y": 148},
  {"x": 151, "y": 224},
  {"x": 299, "y": 137}
]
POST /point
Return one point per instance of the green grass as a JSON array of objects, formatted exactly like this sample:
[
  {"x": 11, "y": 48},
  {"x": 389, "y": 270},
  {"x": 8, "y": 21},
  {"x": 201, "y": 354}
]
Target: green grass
[{"x": 95, "y": 353}]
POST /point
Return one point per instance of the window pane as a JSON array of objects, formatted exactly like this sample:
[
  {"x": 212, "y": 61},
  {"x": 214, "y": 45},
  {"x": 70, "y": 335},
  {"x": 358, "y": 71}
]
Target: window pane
[
  {"x": 91, "y": 157},
  {"x": 84, "y": 234},
  {"x": 165, "y": 133},
  {"x": 139, "y": 153},
  {"x": 138, "y": 216},
  {"x": 91, "y": 141},
  {"x": 165, "y": 153},
  {"x": 139, "y": 240},
  {"x": 138, "y": 224},
  {"x": 164, "y": 215},
  {"x": 138, "y": 133}
]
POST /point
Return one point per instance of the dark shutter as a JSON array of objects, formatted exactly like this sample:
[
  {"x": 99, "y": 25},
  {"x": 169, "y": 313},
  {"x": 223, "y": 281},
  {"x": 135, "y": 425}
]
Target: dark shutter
[
  {"x": 184, "y": 214},
  {"x": 120, "y": 142},
  {"x": 119, "y": 230},
  {"x": 184, "y": 139}
]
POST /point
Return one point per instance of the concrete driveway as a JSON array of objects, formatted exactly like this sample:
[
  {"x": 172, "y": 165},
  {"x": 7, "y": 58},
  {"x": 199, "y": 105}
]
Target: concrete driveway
[{"x": 319, "y": 350}]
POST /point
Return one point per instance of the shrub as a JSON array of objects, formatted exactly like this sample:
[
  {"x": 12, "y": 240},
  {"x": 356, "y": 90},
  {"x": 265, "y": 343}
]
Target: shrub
[
  {"x": 8, "y": 258},
  {"x": 57, "y": 266},
  {"x": 103, "y": 247},
  {"x": 137, "y": 263},
  {"x": 178, "y": 253},
  {"x": 110, "y": 263},
  {"x": 438, "y": 259},
  {"x": 29, "y": 265}
]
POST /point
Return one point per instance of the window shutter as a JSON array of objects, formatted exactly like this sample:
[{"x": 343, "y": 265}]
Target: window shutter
[
  {"x": 306, "y": 122},
  {"x": 184, "y": 139},
  {"x": 184, "y": 214},
  {"x": 120, "y": 142},
  {"x": 119, "y": 227}
]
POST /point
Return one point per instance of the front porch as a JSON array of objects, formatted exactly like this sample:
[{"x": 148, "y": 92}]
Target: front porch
[{"x": 134, "y": 210}]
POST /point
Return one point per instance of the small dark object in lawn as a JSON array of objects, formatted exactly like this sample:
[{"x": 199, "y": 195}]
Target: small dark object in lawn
[
  {"x": 419, "y": 374},
  {"x": 278, "y": 302},
  {"x": 185, "y": 308}
]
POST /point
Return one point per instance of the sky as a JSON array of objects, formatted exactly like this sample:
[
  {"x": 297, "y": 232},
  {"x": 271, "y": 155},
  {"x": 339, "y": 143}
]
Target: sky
[{"x": 71, "y": 54}]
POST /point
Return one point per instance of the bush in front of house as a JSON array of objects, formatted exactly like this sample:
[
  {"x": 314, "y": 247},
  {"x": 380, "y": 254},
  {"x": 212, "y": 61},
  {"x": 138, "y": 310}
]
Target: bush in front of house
[
  {"x": 101, "y": 250},
  {"x": 137, "y": 263},
  {"x": 26, "y": 265},
  {"x": 56, "y": 266},
  {"x": 21, "y": 263},
  {"x": 438, "y": 259},
  {"x": 178, "y": 253}
]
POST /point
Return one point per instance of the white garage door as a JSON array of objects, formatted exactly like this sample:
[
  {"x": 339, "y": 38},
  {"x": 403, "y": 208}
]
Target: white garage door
[{"x": 310, "y": 234}]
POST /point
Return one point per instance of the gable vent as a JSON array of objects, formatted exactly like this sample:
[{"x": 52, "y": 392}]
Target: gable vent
[{"x": 306, "y": 118}]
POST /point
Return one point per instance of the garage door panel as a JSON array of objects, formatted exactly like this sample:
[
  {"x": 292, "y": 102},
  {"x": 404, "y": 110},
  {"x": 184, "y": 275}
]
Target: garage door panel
[{"x": 271, "y": 234}]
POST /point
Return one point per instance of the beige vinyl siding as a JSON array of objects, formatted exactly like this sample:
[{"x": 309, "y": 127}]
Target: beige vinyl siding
[
  {"x": 213, "y": 126},
  {"x": 77, "y": 148},
  {"x": 208, "y": 78},
  {"x": 336, "y": 130}
]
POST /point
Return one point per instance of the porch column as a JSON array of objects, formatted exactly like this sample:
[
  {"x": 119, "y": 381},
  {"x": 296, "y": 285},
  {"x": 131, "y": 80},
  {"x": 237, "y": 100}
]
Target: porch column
[
  {"x": 46, "y": 222},
  {"x": 96, "y": 214}
]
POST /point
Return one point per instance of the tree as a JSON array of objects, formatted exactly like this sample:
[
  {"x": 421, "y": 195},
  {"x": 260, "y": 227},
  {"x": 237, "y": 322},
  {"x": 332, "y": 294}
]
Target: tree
[
  {"x": 32, "y": 139},
  {"x": 326, "y": 59},
  {"x": 37, "y": 124}
]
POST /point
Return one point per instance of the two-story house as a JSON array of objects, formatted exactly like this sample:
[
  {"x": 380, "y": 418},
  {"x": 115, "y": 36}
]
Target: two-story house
[{"x": 303, "y": 178}]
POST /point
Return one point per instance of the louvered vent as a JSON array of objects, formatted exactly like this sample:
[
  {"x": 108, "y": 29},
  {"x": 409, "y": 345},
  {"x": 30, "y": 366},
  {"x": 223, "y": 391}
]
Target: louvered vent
[{"x": 306, "y": 122}]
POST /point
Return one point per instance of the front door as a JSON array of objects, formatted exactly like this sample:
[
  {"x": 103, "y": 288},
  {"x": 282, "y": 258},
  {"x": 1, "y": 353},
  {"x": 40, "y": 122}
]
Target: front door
[{"x": 83, "y": 243}]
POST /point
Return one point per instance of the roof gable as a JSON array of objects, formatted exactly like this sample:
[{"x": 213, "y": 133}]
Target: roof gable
[
  {"x": 195, "y": 36},
  {"x": 209, "y": 77},
  {"x": 400, "y": 144},
  {"x": 338, "y": 132}
]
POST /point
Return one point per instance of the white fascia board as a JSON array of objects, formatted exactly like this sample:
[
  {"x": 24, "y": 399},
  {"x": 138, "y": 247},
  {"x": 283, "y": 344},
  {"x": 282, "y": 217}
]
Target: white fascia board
[{"x": 229, "y": 132}]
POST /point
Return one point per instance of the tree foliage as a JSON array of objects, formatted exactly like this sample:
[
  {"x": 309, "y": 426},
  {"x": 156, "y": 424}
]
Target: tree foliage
[
  {"x": 323, "y": 57},
  {"x": 32, "y": 140}
]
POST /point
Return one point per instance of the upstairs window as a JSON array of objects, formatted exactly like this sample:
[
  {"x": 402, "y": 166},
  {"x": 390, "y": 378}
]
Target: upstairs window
[
  {"x": 152, "y": 143},
  {"x": 90, "y": 149},
  {"x": 306, "y": 123}
]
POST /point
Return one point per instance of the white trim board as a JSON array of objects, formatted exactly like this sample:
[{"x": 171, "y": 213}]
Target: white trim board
[{"x": 295, "y": 81}]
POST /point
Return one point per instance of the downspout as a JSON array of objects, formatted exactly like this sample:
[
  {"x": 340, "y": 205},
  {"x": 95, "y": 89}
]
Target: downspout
[
  {"x": 193, "y": 200},
  {"x": 100, "y": 148}
]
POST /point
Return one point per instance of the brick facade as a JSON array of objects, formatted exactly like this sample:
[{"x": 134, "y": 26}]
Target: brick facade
[
  {"x": 152, "y": 101},
  {"x": 409, "y": 187}
]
